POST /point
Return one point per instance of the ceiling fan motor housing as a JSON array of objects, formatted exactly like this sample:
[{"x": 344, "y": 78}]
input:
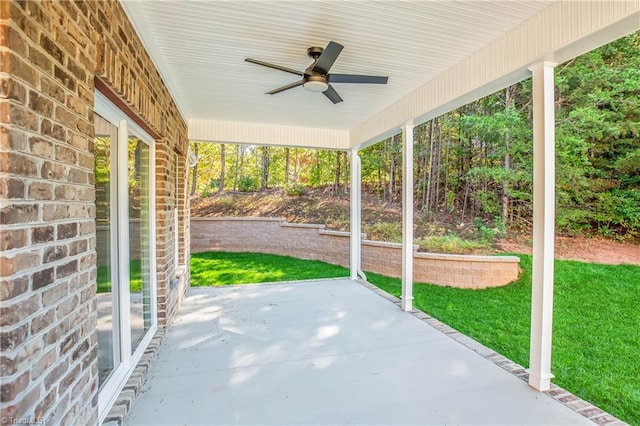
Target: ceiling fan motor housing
[{"x": 315, "y": 51}]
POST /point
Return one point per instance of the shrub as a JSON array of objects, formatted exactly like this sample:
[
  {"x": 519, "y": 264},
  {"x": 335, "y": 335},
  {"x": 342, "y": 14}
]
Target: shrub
[
  {"x": 226, "y": 202},
  {"x": 384, "y": 231},
  {"x": 248, "y": 184},
  {"x": 296, "y": 189},
  {"x": 487, "y": 234},
  {"x": 452, "y": 244}
]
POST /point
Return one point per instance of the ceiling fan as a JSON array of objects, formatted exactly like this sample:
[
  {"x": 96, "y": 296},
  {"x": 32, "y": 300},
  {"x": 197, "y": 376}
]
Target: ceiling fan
[{"x": 316, "y": 77}]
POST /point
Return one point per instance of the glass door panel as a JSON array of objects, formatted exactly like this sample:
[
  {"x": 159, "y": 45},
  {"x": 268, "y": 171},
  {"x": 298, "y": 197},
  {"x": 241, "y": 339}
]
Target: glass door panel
[
  {"x": 108, "y": 313},
  {"x": 139, "y": 240}
]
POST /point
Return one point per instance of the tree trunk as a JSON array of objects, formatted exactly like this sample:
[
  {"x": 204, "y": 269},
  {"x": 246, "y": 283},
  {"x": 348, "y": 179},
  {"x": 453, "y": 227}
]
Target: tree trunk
[
  {"x": 222, "y": 168},
  {"x": 425, "y": 163},
  {"x": 392, "y": 167},
  {"x": 194, "y": 180},
  {"x": 438, "y": 154},
  {"x": 336, "y": 183},
  {"x": 507, "y": 161},
  {"x": 286, "y": 166},
  {"x": 318, "y": 168},
  {"x": 264, "y": 173},
  {"x": 345, "y": 174},
  {"x": 446, "y": 171},
  {"x": 239, "y": 159},
  {"x": 430, "y": 166}
]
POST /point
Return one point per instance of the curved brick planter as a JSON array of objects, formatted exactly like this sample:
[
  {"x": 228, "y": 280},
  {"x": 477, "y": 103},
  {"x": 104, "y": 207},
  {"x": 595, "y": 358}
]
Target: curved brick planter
[{"x": 276, "y": 236}]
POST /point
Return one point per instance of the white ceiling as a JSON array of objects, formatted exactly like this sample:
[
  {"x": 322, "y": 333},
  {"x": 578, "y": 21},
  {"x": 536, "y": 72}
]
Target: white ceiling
[{"x": 199, "y": 48}]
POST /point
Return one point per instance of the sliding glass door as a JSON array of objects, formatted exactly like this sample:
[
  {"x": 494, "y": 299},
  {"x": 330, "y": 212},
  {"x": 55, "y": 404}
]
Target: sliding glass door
[
  {"x": 106, "y": 231},
  {"x": 125, "y": 245},
  {"x": 139, "y": 240}
]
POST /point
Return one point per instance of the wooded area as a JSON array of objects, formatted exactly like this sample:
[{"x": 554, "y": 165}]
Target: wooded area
[{"x": 474, "y": 164}]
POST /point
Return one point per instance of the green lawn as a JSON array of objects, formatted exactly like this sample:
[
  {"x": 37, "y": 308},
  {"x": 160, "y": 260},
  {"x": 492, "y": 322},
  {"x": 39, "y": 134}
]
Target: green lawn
[
  {"x": 223, "y": 268},
  {"x": 596, "y": 339},
  {"x": 135, "y": 272}
]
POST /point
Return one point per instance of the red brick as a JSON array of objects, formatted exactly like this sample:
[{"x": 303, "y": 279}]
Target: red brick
[
  {"x": 12, "y": 264},
  {"x": 12, "y": 238},
  {"x": 42, "y": 234},
  {"x": 18, "y": 164},
  {"x": 67, "y": 269},
  {"x": 12, "y": 188},
  {"x": 11, "y": 339},
  {"x": 12, "y": 90},
  {"x": 40, "y": 104},
  {"x": 42, "y": 278},
  {"x": 13, "y": 287},
  {"x": 40, "y": 191}
]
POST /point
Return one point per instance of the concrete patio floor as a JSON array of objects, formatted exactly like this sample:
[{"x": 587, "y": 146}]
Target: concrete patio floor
[{"x": 325, "y": 352}]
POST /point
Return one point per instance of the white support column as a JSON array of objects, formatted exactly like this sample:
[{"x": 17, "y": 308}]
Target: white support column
[
  {"x": 543, "y": 225},
  {"x": 407, "y": 217},
  {"x": 356, "y": 215}
]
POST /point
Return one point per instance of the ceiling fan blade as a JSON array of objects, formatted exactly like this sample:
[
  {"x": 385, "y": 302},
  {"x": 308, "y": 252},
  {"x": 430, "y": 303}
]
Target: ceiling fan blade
[
  {"x": 277, "y": 67},
  {"x": 328, "y": 57},
  {"x": 332, "y": 95},
  {"x": 283, "y": 88},
  {"x": 354, "y": 78}
]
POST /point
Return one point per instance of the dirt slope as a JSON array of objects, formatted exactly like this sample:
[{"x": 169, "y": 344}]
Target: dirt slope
[{"x": 320, "y": 206}]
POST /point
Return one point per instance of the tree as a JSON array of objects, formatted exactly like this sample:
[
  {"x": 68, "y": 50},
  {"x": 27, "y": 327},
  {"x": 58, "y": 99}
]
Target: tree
[
  {"x": 194, "y": 181},
  {"x": 264, "y": 175},
  {"x": 222, "y": 168}
]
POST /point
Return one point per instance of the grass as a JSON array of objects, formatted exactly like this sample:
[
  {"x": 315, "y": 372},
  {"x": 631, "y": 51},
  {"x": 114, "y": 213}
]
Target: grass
[
  {"x": 135, "y": 272},
  {"x": 596, "y": 343},
  {"x": 223, "y": 268}
]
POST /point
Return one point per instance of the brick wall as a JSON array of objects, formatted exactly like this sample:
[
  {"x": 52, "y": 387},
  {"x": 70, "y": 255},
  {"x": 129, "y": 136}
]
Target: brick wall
[
  {"x": 264, "y": 235},
  {"x": 53, "y": 55}
]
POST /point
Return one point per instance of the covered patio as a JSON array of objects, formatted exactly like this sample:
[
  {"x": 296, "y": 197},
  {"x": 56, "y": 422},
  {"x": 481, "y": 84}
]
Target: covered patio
[
  {"x": 327, "y": 352},
  {"x": 100, "y": 101},
  {"x": 334, "y": 352}
]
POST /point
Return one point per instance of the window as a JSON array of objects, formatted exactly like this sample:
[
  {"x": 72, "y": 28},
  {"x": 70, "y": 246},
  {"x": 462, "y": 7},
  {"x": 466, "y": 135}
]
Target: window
[
  {"x": 176, "y": 197},
  {"x": 125, "y": 244}
]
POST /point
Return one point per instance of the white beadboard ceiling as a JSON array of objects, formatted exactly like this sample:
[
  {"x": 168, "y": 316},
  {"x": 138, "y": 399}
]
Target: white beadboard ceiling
[{"x": 199, "y": 48}]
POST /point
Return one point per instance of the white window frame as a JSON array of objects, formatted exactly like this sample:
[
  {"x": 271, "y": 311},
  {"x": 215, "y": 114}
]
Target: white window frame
[
  {"x": 176, "y": 210},
  {"x": 120, "y": 252}
]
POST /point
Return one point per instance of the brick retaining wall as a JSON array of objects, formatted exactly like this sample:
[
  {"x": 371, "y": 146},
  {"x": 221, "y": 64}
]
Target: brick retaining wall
[{"x": 274, "y": 235}]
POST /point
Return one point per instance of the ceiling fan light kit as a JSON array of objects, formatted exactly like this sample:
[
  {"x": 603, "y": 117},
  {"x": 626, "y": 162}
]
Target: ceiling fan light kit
[
  {"x": 315, "y": 84},
  {"x": 316, "y": 77}
]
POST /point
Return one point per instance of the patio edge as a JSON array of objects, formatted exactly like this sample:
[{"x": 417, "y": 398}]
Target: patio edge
[
  {"x": 131, "y": 389},
  {"x": 573, "y": 402}
]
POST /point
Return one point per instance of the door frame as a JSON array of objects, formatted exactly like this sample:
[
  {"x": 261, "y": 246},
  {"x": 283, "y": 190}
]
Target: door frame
[{"x": 119, "y": 235}]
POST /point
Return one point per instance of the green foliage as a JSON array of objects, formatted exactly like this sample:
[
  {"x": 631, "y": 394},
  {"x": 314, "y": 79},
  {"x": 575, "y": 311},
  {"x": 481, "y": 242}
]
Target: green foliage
[
  {"x": 248, "y": 184},
  {"x": 214, "y": 183},
  {"x": 451, "y": 244},
  {"x": 226, "y": 201},
  {"x": 383, "y": 231},
  {"x": 598, "y": 159},
  {"x": 488, "y": 234},
  {"x": 296, "y": 189}
]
